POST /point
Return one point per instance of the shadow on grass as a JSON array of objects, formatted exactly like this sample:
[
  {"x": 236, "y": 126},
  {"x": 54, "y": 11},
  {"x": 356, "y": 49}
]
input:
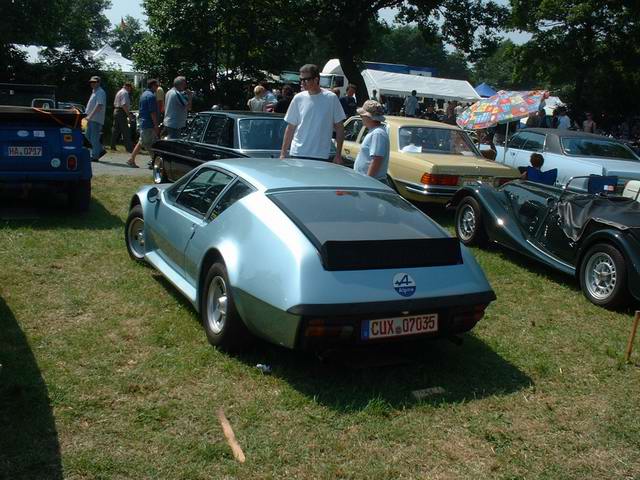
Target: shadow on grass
[
  {"x": 384, "y": 376},
  {"x": 29, "y": 447},
  {"x": 49, "y": 211},
  {"x": 381, "y": 378}
]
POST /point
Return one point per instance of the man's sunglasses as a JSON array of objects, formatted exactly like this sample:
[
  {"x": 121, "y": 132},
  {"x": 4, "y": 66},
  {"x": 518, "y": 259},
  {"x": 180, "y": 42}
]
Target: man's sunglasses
[{"x": 306, "y": 79}]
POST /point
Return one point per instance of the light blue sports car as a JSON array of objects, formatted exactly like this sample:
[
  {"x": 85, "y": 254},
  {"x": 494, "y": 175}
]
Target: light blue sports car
[{"x": 304, "y": 254}]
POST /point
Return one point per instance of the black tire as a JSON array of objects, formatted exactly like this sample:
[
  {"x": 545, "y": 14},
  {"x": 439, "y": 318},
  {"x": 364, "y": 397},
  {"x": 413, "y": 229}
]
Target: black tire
[
  {"x": 225, "y": 329},
  {"x": 134, "y": 234},
  {"x": 469, "y": 220},
  {"x": 79, "y": 195},
  {"x": 603, "y": 276},
  {"x": 159, "y": 172}
]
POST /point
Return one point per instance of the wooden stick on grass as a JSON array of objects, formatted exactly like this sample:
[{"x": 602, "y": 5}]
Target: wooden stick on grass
[
  {"x": 231, "y": 438},
  {"x": 632, "y": 337}
]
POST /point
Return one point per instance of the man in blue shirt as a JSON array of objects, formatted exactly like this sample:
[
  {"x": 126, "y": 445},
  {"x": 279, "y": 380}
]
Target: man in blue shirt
[{"x": 149, "y": 121}]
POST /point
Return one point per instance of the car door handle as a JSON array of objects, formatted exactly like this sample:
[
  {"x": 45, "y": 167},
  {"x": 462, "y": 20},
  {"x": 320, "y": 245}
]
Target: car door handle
[{"x": 191, "y": 151}]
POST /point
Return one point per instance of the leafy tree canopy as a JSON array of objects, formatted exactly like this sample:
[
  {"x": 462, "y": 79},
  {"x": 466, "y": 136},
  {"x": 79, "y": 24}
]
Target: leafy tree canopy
[{"x": 126, "y": 35}]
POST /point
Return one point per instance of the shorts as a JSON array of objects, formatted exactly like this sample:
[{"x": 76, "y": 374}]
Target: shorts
[
  {"x": 172, "y": 133},
  {"x": 147, "y": 137}
]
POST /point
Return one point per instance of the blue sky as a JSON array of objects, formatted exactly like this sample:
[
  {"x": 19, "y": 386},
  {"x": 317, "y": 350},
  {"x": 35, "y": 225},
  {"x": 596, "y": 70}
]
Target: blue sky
[{"x": 120, "y": 8}]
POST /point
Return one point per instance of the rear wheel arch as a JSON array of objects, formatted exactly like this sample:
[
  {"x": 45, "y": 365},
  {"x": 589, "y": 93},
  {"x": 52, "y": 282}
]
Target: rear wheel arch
[
  {"x": 593, "y": 238},
  {"x": 135, "y": 200},
  {"x": 211, "y": 257}
]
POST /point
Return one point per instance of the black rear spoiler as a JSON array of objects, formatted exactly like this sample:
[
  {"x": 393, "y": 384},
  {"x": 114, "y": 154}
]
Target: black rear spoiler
[{"x": 382, "y": 254}]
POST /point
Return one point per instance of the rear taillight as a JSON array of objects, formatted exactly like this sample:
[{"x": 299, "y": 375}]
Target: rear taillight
[
  {"x": 320, "y": 328},
  {"x": 68, "y": 138},
  {"x": 72, "y": 162},
  {"x": 437, "y": 179}
]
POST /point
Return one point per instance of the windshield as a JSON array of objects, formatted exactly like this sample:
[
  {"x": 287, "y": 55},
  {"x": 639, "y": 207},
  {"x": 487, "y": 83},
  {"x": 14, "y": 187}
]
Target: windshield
[
  {"x": 596, "y": 147},
  {"x": 325, "y": 81},
  {"x": 261, "y": 133},
  {"x": 435, "y": 140}
]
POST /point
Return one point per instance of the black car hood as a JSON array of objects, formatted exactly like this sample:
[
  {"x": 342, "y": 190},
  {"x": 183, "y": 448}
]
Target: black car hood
[{"x": 577, "y": 211}]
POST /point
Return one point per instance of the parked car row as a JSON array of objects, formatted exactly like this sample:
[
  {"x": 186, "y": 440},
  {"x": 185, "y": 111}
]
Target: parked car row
[{"x": 230, "y": 202}]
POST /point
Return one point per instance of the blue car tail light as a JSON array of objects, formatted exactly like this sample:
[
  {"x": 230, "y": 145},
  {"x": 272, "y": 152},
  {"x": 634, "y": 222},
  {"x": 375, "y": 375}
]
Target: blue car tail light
[{"x": 72, "y": 162}]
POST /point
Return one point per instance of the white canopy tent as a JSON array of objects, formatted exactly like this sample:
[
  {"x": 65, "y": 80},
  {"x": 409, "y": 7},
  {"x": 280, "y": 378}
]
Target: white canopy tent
[{"x": 400, "y": 84}]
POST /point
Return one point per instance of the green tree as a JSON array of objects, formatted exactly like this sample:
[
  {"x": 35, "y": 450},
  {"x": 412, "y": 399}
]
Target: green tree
[
  {"x": 346, "y": 27},
  {"x": 217, "y": 44},
  {"x": 500, "y": 69},
  {"x": 587, "y": 50},
  {"x": 126, "y": 35}
]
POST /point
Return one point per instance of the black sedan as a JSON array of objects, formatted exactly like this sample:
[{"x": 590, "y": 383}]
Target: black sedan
[
  {"x": 215, "y": 135},
  {"x": 594, "y": 236}
]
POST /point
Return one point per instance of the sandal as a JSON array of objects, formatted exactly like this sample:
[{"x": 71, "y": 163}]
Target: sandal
[{"x": 131, "y": 164}]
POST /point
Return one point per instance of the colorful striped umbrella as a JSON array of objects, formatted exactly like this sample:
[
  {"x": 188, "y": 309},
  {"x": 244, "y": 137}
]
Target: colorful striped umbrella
[{"x": 503, "y": 107}]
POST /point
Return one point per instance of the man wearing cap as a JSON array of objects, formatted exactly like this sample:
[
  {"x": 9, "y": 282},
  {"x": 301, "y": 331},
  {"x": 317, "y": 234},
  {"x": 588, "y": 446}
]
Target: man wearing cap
[
  {"x": 96, "y": 107},
  {"x": 312, "y": 116},
  {"x": 373, "y": 158},
  {"x": 121, "y": 109}
]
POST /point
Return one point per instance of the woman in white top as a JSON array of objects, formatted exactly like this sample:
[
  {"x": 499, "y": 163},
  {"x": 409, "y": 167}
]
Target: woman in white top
[{"x": 258, "y": 102}]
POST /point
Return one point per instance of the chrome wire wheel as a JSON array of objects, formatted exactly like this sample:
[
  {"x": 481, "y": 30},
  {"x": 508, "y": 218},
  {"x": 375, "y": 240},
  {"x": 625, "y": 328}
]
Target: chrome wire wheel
[
  {"x": 135, "y": 237},
  {"x": 158, "y": 170},
  {"x": 217, "y": 304},
  {"x": 467, "y": 222},
  {"x": 601, "y": 276}
]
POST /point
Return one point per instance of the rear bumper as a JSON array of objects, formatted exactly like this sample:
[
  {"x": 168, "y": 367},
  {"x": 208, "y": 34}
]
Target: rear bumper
[
  {"x": 44, "y": 177},
  {"x": 428, "y": 192},
  {"x": 323, "y": 326}
]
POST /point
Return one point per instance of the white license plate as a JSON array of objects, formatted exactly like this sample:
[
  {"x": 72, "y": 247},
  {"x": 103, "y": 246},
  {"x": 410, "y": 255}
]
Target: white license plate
[
  {"x": 399, "y": 326},
  {"x": 25, "y": 151},
  {"x": 470, "y": 180}
]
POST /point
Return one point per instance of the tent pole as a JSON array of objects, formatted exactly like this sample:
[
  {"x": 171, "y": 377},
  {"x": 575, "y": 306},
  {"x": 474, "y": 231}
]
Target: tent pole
[{"x": 506, "y": 144}]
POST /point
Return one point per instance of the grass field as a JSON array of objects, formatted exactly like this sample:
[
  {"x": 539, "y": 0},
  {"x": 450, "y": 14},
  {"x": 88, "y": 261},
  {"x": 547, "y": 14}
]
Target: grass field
[{"x": 107, "y": 374}]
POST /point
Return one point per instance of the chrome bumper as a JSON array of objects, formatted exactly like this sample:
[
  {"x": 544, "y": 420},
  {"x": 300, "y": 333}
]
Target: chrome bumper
[{"x": 429, "y": 190}]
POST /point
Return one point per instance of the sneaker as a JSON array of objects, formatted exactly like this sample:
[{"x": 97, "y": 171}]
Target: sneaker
[
  {"x": 95, "y": 160},
  {"x": 102, "y": 153}
]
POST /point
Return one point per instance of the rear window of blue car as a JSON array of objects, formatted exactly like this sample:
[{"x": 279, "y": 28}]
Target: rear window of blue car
[{"x": 352, "y": 215}]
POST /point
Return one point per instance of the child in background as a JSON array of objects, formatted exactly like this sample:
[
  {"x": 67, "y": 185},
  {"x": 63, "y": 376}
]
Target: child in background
[{"x": 536, "y": 160}]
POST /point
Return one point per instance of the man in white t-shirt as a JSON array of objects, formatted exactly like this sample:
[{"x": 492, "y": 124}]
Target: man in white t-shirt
[{"x": 312, "y": 116}]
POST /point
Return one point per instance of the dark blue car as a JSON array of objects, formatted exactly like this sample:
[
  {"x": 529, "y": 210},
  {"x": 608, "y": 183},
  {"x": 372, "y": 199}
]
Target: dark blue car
[{"x": 45, "y": 147}]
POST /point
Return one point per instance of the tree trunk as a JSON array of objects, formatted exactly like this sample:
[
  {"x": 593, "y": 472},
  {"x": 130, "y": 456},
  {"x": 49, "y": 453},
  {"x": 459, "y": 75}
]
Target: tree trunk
[{"x": 352, "y": 72}]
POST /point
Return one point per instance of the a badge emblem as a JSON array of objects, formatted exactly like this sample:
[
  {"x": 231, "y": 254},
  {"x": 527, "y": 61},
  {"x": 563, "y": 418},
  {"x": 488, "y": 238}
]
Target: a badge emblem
[{"x": 404, "y": 284}]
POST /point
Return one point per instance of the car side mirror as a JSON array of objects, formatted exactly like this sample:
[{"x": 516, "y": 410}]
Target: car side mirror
[{"x": 153, "y": 194}]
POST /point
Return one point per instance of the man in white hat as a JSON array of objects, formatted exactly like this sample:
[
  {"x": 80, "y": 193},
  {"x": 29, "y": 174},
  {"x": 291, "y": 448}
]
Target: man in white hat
[{"x": 373, "y": 158}]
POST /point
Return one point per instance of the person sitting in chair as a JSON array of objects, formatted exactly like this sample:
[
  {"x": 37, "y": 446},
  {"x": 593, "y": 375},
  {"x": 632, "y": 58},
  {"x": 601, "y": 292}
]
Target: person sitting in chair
[{"x": 536, "y": 160}]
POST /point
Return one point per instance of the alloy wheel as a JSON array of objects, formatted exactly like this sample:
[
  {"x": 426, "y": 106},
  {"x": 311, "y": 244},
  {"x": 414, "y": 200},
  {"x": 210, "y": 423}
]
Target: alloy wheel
[
  {"x": 467, "y": 222},
  {"x": 601, "y": 275},
  {"x": 135, "y": 237},
  {"x": 217, "y": 304}
]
